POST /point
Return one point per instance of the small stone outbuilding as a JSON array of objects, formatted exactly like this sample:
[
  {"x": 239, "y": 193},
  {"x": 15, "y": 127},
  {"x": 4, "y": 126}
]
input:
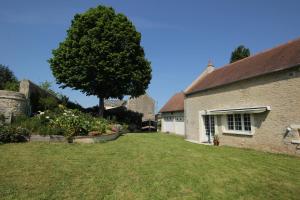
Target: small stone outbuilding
[{"x": 172, "y": 115}]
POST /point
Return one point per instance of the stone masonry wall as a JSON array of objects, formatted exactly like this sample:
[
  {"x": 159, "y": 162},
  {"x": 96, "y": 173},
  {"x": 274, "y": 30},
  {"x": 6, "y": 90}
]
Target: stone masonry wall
[
  {"x": 33, "y": 93},
  {"x": 279, "y": 90},
  {"x": 143, "y": 104},
  {"x": 12, "y": 104}
]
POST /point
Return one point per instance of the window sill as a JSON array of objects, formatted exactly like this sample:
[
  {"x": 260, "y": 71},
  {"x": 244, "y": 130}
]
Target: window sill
[
  {"x": 238, "y": 133},
  {"x": 295, "y": 141}
]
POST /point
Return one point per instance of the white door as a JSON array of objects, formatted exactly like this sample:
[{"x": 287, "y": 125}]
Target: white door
[
  {"x": 168, "y": 125},
  {"x": 209, "y": 127},
  {"x": 179, "y": 125}
]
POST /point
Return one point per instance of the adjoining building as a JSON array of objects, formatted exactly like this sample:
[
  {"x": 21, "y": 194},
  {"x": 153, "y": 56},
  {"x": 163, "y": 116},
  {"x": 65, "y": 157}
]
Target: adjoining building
[
  {"x": 143, "y": 104},
  {"x": 172, "y": 115},
  {"x": 252, "y": 103}
]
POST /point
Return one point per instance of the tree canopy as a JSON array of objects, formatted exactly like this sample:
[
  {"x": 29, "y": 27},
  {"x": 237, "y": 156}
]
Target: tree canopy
[
  {"x": 102, "y": 56},
  {"x": 239, "y": 53},
  {"x": 8, "y": 80}
]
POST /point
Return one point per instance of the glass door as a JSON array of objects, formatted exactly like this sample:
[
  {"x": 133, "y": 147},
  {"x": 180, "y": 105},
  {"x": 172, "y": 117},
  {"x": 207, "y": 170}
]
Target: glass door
[{"x": 209, "y": 124}]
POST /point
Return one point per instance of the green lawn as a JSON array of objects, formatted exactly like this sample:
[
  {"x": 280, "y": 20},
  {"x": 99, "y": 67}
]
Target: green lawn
[{"x": 145, "y": 166}]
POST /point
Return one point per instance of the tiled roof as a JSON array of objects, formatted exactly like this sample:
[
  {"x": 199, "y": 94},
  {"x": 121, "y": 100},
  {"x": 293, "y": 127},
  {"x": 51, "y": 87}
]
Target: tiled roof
[
  {"x": 176, "y": 103},
  {"x": 114, "y": 102},
  {"x": 279, "y": 58}
]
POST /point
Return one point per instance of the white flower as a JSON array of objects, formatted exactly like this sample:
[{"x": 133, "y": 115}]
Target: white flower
[{"x": 47, "y": 117}]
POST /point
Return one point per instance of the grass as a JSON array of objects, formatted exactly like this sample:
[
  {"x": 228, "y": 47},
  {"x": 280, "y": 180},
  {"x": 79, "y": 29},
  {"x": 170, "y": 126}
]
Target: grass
[{"x": 145, "y": 166}]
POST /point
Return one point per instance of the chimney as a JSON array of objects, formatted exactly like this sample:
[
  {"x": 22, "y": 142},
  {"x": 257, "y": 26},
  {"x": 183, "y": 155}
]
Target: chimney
[{"x": 210, "y": 67}]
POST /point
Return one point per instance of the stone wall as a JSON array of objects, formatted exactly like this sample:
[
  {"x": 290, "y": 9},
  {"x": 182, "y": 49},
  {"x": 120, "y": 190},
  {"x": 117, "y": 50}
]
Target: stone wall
[
  {"x": 143, "y": 104},
  {"x": 16, "y": 103},
  {"x": 279, "y": 90},
  {"x": 33, "y": 93},
  {"x": 12, "y": 104}
]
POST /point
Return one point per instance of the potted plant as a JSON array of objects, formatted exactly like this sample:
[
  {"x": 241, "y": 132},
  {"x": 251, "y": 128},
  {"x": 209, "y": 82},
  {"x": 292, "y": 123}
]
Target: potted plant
[{"x": 216, "y": 140}]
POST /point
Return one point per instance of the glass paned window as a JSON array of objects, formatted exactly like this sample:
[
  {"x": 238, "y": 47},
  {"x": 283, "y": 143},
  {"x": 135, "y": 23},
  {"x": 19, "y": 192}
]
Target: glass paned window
[
  {"x": 238, "y": 122},
  {"x": 212, "y": 125},
  {"x": 207, "y": 127},
  {"x": 247, "y": 122},
  {"x": 230, "y": 122}
]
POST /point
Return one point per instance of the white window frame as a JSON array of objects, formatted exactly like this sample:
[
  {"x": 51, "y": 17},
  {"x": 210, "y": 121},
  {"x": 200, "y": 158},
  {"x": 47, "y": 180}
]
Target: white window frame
[
  {"x": 225, "y": 128},
  {"x": 201, "y": 126}
]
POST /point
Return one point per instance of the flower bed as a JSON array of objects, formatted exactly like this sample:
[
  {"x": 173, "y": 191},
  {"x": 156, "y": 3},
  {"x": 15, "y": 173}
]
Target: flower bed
[{"x": 66, "y": 123}]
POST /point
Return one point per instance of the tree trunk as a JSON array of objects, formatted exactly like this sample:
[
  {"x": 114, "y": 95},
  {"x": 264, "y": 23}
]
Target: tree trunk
[{"x": 101, "y": 106}]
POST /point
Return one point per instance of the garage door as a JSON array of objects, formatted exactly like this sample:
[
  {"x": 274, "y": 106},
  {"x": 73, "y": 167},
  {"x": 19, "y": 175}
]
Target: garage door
[
  {"x": 168, "y": 125},
  {"x": 179, "y": 125}
]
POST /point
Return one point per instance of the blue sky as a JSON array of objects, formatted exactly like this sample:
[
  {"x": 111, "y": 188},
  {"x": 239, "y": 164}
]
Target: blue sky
[{"x": 179, "y": 37}]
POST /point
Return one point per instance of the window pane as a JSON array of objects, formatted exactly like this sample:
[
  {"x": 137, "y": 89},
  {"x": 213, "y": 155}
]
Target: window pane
[
  {"x": 230, "y": 122},
  {"x": 238, "y": 122},
  {"x": 247, "y": 122},
  {"x": 212, "y": 125},
  {"x": 207, "y": 127}
]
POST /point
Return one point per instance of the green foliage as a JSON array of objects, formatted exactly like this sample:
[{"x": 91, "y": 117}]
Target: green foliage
[
  {"x": 61, "y": 121},
  {"x": 102, "y": 56},
  {"x": 12, "y": 86},
  {"x": 39, "y": 124},
  {"x": 239, "y": 53},
  {"x": 2, "y": 119},
  {"x": 122, "y": 115},
  {"x": 9, "y": 134},
  {"x": 72, "y": 122},
  {"x": 48, "y": 103},
  {"x": 51, "y": 102},
  {"x": 8, "y": 81}
]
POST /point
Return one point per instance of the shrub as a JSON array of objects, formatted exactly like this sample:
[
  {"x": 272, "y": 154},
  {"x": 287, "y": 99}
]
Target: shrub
[
  {"x": 2, "y": 119},
  {"x": 39, "y": 124},
  {"x": 12, "y": 86},
  {"x": 73, "y": 123},
  {"x": 48, "y": 103},
  {"x": 7, "y": 78},
  {"x": 61, "y": 121},
  {"x": 9, "y": 134}
]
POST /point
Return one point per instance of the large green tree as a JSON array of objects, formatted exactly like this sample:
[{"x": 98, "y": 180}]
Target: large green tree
[
  {"x": 239, "y": 53},
  {"x": 102, "y": 56}
]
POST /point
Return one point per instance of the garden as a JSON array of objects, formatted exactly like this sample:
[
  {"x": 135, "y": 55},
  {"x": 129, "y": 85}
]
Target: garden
[{"x": 60, "y": 121}]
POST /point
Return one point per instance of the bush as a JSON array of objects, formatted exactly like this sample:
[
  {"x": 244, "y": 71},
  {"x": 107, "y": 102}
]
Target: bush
[
  {"x": 6, "y": 77},
  {"x": 2, "y": 119},
  {"x": 48, "y": 103},
  {"x": 10, "y": 134},
  {"x": 39, "y": 124},
  {"x": 65, "y": 122},
  {"x": 12, "y": 86}
]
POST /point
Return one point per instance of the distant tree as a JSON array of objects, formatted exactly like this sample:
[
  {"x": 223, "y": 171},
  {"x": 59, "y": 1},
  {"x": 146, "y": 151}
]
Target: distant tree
[
  {"x": 8, "y": 80},
  {"x": 102, "y": 56},
  {"x": 239, "y": 53},
  {"x": 46, "y": 85}
]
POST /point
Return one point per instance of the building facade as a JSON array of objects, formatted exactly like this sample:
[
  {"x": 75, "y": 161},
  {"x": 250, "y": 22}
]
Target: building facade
[
  {"x": 172, "y": 115},
  {"x": 253, "y": 103}
]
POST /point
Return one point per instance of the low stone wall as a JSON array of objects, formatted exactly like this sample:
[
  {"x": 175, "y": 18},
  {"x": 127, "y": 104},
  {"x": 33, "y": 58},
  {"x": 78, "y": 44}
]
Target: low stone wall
[
  {"x": 47, "y": 138},
  {"x": 12, "y": 104},
  {"x": 95, "y": 139},
  {"x": 77, "y": 139}
]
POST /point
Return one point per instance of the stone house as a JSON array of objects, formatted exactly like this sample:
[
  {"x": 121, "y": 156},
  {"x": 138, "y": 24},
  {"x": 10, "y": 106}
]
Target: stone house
[
  {"x": 172, "y": 115},
  {"x": 143, "y": 104},
  {"x": 252, "y": 103}
]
